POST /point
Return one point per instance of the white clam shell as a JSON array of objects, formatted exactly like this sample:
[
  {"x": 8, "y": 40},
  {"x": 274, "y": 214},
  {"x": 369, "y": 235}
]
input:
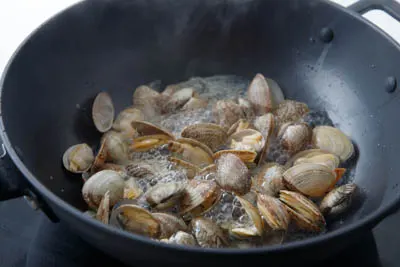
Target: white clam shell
[
  {"x": 103, "y": 112},
  {"x": 334, "y": 141},
  {"x": 78, "y": 158}
]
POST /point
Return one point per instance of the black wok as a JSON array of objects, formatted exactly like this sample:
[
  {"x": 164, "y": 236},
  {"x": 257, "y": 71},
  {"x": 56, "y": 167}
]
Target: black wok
[{"x": 320, "y": 53}]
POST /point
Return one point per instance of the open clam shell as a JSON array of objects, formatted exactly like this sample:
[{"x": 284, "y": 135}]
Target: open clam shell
[
  {"x": 103, "y": 212},
  {"x": 208, "y": 234},
  {"x": 195, "y": 103},
  {"x": 330, "y": 160},
  {"x": 169, "y": 224},
  {"x": 232, "y": 174},
  {"x": 269, "y": 179},
  {"x": 132, "y": 189},
  {"x": 148, "y": 101},
  {"x": 212, "y": 135},
  {"x": 246, "y": 107},
  {"x": 227, "y": 112},
  {"x": 192, "y": 151},
  {"x": 145, "y": 128},
  {"x": 334, "y": 141},
  {"x": 294, "y": 137},
  {"x": 190, "y": 169},
  {"x": 249, "y": 140},
  {"x": 164, "y": 196},
  {"x": 273, "y": 212},
  {"x": 103, "y": 112},
  {"x": 182, "y": 238},
  {"x": 303, "y": 211},
  {"x": 123, "y": 121},
  {"x": 117, "y": 147},
  {"x": 338, "y": 200},
  {"x": 309, "y": 153},
  {"x": 199, "y": 197},
  {"x": 310, "y": 179},
  {"x": 179, "y": 99},
  {"x": 98, "y": 184},
  {"x": 78, "y": 158},
  {"x": 256, "y": 226},
  {"x": 238, "y": 126},
  {"x": 245, "y": 155},
  {"x": 135, "y": 219}
]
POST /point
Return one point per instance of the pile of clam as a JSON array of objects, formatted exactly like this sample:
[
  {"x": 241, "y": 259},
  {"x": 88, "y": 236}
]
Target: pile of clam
[{"x": 228, "y": 155}]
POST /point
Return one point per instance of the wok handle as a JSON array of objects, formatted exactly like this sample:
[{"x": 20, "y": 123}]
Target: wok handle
[
  {"x": 13, "y": 185},
  {"x": 392, "y": 7}
]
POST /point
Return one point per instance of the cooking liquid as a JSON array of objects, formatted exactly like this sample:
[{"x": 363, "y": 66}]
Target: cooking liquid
[{"x": 228, "y": 211}]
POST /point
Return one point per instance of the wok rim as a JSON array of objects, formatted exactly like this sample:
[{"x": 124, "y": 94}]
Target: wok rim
[{"x": 367, "y": 222}]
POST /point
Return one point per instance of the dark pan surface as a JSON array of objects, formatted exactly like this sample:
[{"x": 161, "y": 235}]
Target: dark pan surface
[{"x": 119, "y": 45}]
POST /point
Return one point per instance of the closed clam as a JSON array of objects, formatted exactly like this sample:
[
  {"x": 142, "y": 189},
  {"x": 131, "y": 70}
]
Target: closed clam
[
  {"x": 227, "y": 112},
  {"x": 249, "y": 140},
  {"x": 255, "y": 227},
  {"x": 135, "y": 219},
  {"x": 101, "y": 182},
  {"x": 330, "y": 160},
  {"x": 246, "y": 107},
  {"x": 179, "y": 99},
  {"x": 266, "y": 126},
  {"x": 238, "y": 126},
  {"x": 103, "y": 212},
  {"x": 212, "y": 135},
  {"x": 290, "y": 111},
  {"x": 245, "y": 155},
  {"x": 338, "y": 200},
  {"x": 273, "y": 212},
  {"x": 334, "y": 141},
  {"x": 182, "y": 238},
  {"x": 232, "y": 174},
  {"x": 194, "y": 103},
  {"x": 78, "y": 158},
  {"x": 269, "y": 179},
  {"x": 103, "y": 112},
  {"x": 294, "y": 137},
  {"x": 199, "y": 197},
  {"x": 164, "y": 196},
  {"x": 310, "y": 179},
  {"x": 192, "y": 151},
  {"x": 208, "y": 234},
  {"x": 169, "y": 224},
  {"x": 123, "y": 121},
  {"x": 303, "y": 211},
  {"x": 276, "y": 92},
  {"x": 148, "y": 101},
  {"x": 190, "y": 169},
  {"x": 259, "y": 95}
]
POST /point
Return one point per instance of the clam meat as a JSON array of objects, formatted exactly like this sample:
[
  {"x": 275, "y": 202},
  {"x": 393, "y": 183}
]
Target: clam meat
[{"x": 78, "y": 158}]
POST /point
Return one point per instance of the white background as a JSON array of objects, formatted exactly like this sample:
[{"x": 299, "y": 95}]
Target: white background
[{"x": 18, "y": 18}]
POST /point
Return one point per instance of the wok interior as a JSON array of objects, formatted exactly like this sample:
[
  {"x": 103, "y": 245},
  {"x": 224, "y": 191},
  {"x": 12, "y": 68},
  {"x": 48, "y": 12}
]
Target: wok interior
[{"x": 118, "y": 45}]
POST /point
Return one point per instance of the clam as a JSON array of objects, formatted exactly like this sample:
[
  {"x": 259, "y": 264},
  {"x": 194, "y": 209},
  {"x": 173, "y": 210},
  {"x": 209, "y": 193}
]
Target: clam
[
  {"x": 334, "y": 141},
  {"x": 169, "y": 224},
  {"x": 103, "y": 212},
  {"x": 208, "y": 234},
  {"x": 294, "y": 137},
  {"x": 103, "y": 112},
  {"x": 179, "y": 99},
  {"x": 330, "y": 160},
  {"x": 238, "y": 126},
  {"x": 266, "y": 125},
  {"x": 123, "y": 121},
  {"x": 190, "y": 169},
  {"x": 78, "y": 158},
  {"x": 260, "y": 95},
  {"x": 246, "y": 107},
  {"x": 117, "y": 147},
  {"x": 182, "y": 238},
  {"x": 270, "y": 179},
  {"x": 139, "y": 169},
  {"x": 132, "y": 189},
  {"x": 169, "y": 91},
  {"x": 310, "y": 179},
  {"x": 245, "y": 155},
  {"x": 98, "y": 184},
  {"x": 227, "y": 112},
  {"x": 195, "y": 103},
  {"x": 232, "y": 174},
  {"x": 212, "y": 135},
  {"x": 290, "y": 111},
  {"x": 148, "y": 101},
  {"x": 164, "y": 196},
  {"x": 249, "y": 140},
  {"x": 276, "y": 92},
  {"x": 256, "y": 224},
  {"x": 303, "y": 211},
  {"x": 150, "y": 136},
  {"x": 338, "y": 200},
  {"x": 273, "y": 212},
  {"x": 135, "y": 219},
  {"x": 199, "y": 197},
  {"x": 304, "y": 154},
  {"x": 192, "y": 151},
  {"x": 100, "y": 159}
]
